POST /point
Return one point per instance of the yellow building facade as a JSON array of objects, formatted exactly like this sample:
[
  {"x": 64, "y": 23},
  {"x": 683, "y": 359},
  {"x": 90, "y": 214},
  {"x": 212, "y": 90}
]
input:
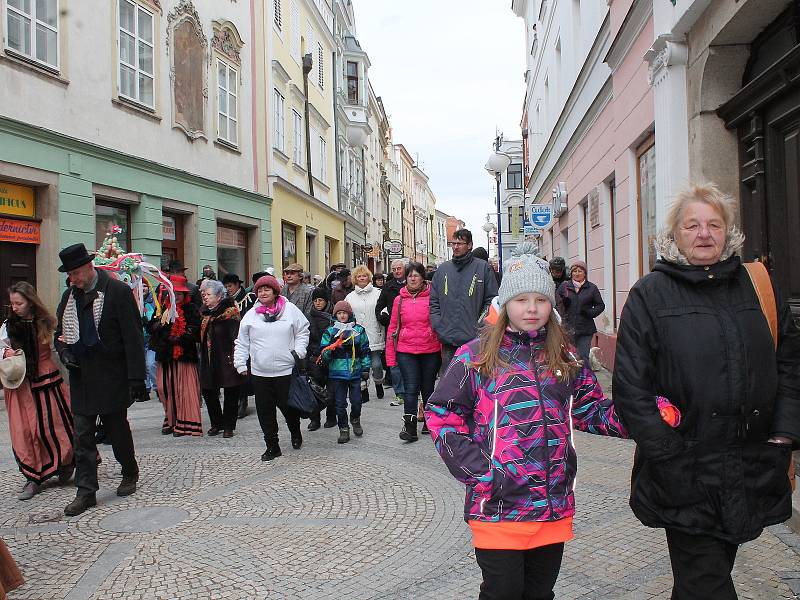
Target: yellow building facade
[{"x": 294, "y": 133}]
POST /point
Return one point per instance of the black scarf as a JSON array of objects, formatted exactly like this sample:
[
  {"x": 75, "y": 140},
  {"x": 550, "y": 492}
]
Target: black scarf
[
  {"x": 23, "y": 336},
  {"x": 462, "y": 261}
]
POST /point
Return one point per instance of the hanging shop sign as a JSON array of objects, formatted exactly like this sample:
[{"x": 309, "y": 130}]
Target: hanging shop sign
[
  {"x": 393, "y": 246},
  {"x": 21, "y": 232},
  {"x": 18, "y": 200},
  {"x": 541, "y": 215}
]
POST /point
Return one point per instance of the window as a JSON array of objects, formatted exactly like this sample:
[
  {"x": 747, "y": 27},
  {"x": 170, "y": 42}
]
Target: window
[
  {"x": 227, "y": 85},
  {"x": 612, "y": 202},
  {"x": 107, "y": 216},
  {"x": 33, "y": 29},
  {"x": 298, "y": 137},
  {"x": 278, "y": 18},
  {"x": 514, "y": 177},
  {"x": 135, "y": 53},
  {"x": 288, "y": 244},
  {"x": 231, "y": 251},
  {"x": 172, "y": 238},
  {"x": 323, "y": 159},
  {"x": 321, "y": 66},
  {"x": 646, "y": 191},
  {"x": 280, "y": 134},
  {"x": 352, "y": 82},
  {"x": 514, "y": 220}
]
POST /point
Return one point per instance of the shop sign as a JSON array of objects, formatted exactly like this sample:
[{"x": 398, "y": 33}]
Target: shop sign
[
  {"x": 17, "y": 200},
  {"x": 21, "y": 232},
  {"x": 541, "y": 215},
  {"x": 168, "y": 228},
  {"x": 393, "y": 246}
]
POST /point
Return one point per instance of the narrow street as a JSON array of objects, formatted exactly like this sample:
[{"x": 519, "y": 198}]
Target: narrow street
[{"x": 372, "y": 519}]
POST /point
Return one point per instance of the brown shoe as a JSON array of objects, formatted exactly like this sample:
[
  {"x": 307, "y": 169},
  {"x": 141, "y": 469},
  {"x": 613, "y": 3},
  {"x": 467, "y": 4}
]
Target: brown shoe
[
  {"x": 79, "y": 505},
  {"x": 128, "y": 486},
  {"x": 228, "y": 433},
  {"x": 214, "y": 431}
]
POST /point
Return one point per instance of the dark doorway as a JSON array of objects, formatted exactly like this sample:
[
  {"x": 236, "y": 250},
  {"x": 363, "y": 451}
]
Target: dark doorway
[{"x": 17, "y": 263}]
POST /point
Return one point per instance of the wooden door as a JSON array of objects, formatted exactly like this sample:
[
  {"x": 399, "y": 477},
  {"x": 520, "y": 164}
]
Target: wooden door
[{"x": 17, "y": 263}]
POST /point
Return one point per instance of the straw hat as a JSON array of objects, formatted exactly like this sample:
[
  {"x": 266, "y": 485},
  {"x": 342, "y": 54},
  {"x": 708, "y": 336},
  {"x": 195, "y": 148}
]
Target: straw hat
[{"x": 12, "y": 370}]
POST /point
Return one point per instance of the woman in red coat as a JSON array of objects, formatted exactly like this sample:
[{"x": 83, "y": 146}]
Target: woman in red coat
[{"x": 413, "y": 346}]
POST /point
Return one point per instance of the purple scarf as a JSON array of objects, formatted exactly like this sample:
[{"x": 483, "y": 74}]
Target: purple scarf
[{"x": 272, "y": 312}]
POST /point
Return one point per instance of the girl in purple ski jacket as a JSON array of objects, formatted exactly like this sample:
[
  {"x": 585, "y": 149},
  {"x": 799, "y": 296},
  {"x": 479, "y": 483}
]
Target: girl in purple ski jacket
[{"x": 502, "y": 419}]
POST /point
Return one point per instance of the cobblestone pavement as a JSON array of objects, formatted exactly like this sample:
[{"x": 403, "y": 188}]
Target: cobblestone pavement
[{"x": 372, "y": 519}]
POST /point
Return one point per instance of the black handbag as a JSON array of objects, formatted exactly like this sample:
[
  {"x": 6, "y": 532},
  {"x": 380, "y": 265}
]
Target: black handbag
[{"x": 301, "y": 396}]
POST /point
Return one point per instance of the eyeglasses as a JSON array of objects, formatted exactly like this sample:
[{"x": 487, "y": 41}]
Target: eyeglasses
[{"x": 459, "y": 243}]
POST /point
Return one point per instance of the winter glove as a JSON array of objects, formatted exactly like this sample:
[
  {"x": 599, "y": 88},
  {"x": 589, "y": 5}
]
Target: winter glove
[
  {"x": 68, "y": 359},
  {"x": 137, "y": 391}
]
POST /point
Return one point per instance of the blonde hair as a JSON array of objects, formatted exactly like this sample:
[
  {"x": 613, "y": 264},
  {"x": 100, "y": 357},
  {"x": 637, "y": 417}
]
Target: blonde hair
[
  {"x": 559, "y": 360},
  {"x": 706, "y": 193},
  {"x": 361, "y": 270}
]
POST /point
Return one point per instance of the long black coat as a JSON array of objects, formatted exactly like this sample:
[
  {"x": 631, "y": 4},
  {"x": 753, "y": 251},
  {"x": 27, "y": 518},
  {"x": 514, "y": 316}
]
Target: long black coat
[
  {"x": 218, "y": 332},
  {"x": 579, "y": 309},
  {"x": 162, "y": 341},
  {"x": 390, "y": 291},
  {"x": 697, "y": 336},
  {"x": 101, "y": 384}
]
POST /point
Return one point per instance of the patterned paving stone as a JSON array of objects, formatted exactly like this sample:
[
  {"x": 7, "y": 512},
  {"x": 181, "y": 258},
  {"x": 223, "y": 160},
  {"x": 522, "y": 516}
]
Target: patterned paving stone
[{"x": 372, "y": 519}]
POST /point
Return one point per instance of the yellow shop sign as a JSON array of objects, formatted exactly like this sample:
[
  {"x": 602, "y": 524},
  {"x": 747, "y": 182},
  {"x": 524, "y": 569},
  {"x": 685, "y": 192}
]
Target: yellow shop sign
[{"x": 17, "y": 200}]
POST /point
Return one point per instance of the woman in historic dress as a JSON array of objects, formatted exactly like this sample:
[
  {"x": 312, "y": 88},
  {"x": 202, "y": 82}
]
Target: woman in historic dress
[
  {"x": 175, "y": 345},
  {"x": 218, "y": 333},
  {"x": 39, "y": 414}
]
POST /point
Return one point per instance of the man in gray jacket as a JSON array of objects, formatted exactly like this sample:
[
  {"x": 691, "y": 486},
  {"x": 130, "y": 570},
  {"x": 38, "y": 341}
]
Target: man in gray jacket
[{"x": 461, "y": 290}]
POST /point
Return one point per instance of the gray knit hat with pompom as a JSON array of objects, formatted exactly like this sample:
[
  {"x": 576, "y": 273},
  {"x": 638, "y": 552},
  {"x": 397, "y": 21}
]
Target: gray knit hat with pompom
[{"x": 526, "y": 272}]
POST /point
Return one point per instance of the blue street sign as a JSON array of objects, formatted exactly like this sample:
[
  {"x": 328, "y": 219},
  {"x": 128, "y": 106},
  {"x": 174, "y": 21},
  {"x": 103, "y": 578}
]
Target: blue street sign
[{"x": 541, "y": 215}]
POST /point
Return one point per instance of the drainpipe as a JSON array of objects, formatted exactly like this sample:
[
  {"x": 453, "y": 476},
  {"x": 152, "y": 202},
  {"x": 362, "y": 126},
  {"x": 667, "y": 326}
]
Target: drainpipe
[{"x": 308, "y": 64}]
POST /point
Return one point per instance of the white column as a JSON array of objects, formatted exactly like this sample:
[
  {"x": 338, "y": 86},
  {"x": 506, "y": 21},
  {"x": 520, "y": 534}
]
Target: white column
[{"x": 667, "y": 75}]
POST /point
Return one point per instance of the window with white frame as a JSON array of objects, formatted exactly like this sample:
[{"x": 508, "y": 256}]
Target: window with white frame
[
  {"x": 278, "y": 16},
  {"x": 33, "y": 30},
  {"x": 323, "y": 159},
  {"x": 321, "y": 66},
  {"x": 136, "y": 72},
  {"x": 278, "y": 116},
  {"x": 298, "y": 137},
  {"x": 227, "y": 103}
]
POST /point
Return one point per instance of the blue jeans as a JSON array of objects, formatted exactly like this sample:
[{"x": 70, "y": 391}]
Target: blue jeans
[
  {"x": 419, "y": 375},
  {"x": 150, "y": 360},
  {"x": 376, "y": 357},
  {"x": 341, "y": 387},
  {"x": 397, "y": 382}
]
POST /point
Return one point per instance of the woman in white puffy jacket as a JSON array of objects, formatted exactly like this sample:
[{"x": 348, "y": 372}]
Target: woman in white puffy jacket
[
  {"x": 363, "y": 299},
  {"x": 270, "y": 335}
]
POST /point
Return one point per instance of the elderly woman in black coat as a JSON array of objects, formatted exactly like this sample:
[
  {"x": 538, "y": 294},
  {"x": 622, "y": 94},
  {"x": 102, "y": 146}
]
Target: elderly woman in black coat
[
  {"x": 218, "y": 331},
  {"x": 693, "y": 332},
  {"x": 579, "y": 302}
]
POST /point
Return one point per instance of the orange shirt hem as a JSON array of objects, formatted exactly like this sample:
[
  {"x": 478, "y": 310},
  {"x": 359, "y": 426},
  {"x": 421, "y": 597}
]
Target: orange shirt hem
[{"x": 520, "y": 535}]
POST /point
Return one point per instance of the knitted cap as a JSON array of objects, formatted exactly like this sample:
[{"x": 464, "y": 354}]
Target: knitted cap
[
  {"x": 578, "y": 263},
  {"x": 319, "y": 292},
  {"x": 343, "y": 305},
  {"x": 525, "y": 272},
  {"x": 269, "y": 281}
]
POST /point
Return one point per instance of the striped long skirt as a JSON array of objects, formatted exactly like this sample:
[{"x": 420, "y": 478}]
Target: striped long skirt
[
  {"x": 179, "y": 392},
  {"x": 40, "y": 420}
]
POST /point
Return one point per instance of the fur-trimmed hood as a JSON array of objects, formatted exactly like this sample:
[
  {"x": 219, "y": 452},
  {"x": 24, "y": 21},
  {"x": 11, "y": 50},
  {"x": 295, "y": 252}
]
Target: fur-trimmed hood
[{"x": 667, "y": 248}]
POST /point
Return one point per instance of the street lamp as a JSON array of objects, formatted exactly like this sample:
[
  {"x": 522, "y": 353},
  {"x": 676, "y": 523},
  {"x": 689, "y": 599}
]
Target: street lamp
[
  {"x": 488, "y": 227},
  {"x": 496, "y": 165}
]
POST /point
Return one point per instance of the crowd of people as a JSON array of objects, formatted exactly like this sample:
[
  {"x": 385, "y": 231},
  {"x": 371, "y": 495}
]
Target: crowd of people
[{"x": 707, "y": 375}]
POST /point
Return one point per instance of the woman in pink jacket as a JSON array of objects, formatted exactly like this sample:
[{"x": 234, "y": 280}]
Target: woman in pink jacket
[{"x": 413, "y": 346}]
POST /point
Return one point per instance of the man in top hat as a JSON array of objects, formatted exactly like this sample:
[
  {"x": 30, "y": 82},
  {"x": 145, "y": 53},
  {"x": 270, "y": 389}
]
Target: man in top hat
[
  {"x": 235, "y": 289},
  {"x": 99, "y": 339},
  {"x": 176, "y": 268}
]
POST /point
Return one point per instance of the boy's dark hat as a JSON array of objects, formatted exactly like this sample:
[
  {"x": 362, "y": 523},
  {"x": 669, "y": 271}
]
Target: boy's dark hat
[
  {"x": 258, "y": 275},
  {"x": 73, "y": 257},
  {"x": 319, "y": 292}
]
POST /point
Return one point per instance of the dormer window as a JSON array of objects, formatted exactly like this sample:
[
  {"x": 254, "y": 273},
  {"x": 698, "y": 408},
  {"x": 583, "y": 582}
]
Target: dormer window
[{"x": 352, "y": 82}]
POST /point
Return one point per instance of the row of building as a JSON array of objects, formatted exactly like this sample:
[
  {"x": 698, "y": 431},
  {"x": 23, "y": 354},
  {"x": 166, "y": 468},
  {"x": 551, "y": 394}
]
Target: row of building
[
  {"x": 628, "y": 101},
  {"x": 235, "y": 133}
]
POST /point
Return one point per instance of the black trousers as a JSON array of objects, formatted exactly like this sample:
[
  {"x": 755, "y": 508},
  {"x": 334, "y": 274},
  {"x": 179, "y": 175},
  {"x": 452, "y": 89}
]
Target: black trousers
[
  {"x": 701, "y": 566},
  {"x": 118, "y": 431},
  {"x": 271, "y": 394},
  {"x": 519, "y": 574},
  {"x": 223, "y": 417}
]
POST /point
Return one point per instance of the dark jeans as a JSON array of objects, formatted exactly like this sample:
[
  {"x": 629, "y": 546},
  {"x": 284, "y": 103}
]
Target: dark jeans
[
  {"x": 519, "y": 574},
  {"x": 223, "y": 418},
  {"x": 447, "y": 356},
  {"x": 701, "y": 566},
  {"x": 583, "y": 343},
  {"x": 341, "y": 388},
  {"x": 271, "y": 394},
  {"x": 419, "y": 374},
  {"x": 118, "y": 431}
]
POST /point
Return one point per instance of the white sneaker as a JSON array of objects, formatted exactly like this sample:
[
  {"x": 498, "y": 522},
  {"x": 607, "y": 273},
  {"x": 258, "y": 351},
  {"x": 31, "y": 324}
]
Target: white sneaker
[{"x": 29, "y": 491}]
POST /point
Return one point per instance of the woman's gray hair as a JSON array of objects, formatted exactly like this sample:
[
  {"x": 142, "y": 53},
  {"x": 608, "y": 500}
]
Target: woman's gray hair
[{"x": 213, "y": 286}]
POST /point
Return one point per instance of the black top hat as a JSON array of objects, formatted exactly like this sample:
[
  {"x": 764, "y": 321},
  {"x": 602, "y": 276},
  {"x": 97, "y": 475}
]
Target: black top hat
[
  {"x": 176, "y": 266},
  {"x": 231, "y": 278},
  {"x": 73, "y": 257}
]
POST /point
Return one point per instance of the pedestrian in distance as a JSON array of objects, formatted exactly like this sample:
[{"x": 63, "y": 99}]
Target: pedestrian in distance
[
  {"x": 99, "y": 340},
  {"x": 175, "y": 267},
  {"x": 148, "y": 301},
  {"x": 695, "y": 331},
  {"x": 175, "y": 345},
  {"x": 321, "y": 318},
  {"x": 345, "y": 286},
  {"x": 219, "y": 330},
  {"x": 502, "y": 419},
  {"x": 208, "y": 273},
  {"x": 558, "y": 270},
  {"x": 413, "y": 346},
  {"x": 383, "y": 310},
  {"x": 244, "y": 301},
  {"x": 345, "y": 349},
  {"x": 274, "y": 338},
  {"x": 430, "y": 271},
  {"x": 297, "y": 292},
  {"x": 461, "y": 291},
  {"x": 378, "y": 280},
  {"x": 363, "y": 299},
  {"x": 37, "y": 401},
  {"x": 579, "y": 302}
]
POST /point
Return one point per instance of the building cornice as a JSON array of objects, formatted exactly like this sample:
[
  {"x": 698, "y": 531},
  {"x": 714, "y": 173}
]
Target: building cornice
[
  {"x": 317, "y": 203},
  {"x": 633, "y": 24},
  {"x": 280, "y": 73}
]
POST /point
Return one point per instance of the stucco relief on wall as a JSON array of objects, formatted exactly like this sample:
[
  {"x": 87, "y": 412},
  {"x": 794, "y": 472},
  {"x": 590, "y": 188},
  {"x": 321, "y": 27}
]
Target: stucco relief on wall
[
  {"x": 227, "y": 41},
  {"x": 188, "y": 48}
]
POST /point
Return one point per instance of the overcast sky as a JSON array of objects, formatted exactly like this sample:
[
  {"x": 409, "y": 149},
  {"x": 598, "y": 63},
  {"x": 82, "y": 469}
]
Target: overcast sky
[{"x": 450, "y": 72}]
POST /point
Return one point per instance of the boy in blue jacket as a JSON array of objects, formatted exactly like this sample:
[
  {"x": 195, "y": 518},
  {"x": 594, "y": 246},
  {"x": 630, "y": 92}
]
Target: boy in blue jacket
[{"x": 345, "y": 349}]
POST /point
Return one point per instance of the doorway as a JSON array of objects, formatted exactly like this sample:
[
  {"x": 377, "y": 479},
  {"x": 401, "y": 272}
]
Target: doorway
[{"x": 17, "y": 263}]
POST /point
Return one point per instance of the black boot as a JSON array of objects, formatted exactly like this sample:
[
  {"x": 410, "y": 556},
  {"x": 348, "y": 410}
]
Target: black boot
[
  {"x": 314, "y": 424},
  {"x": 379, "y": 391},
  {"x": 344, "y": 435},
  {"x": 297, "y": 440},
  {"x": 79, "y": 505},
  {"x": 364, "y": 395},
  {"x": 242, "y": 408},
  {"x": 409, "y": 431},
  {"x": 272, "y": 451}
]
